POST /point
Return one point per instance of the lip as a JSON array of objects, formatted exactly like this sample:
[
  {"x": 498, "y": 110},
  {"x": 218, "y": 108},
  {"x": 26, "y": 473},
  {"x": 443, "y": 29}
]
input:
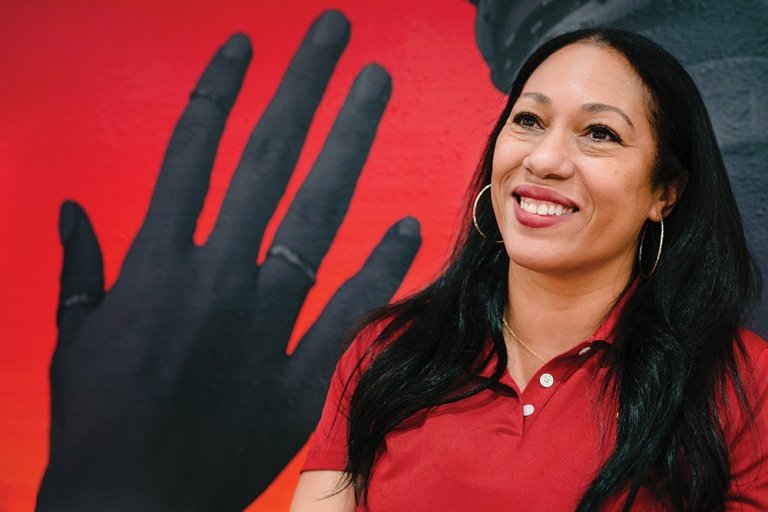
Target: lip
[
  {"x": 532, "y": 220},
  {"x": 544, "y": 194}
]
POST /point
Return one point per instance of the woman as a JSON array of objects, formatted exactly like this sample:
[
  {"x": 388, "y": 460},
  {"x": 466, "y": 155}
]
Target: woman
[{"x": 583, "y": 348}]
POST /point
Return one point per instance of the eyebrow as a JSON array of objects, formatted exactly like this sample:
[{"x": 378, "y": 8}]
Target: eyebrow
[
  {"x": 543, "y": 99},
  {"x": 602, "y": 107}
]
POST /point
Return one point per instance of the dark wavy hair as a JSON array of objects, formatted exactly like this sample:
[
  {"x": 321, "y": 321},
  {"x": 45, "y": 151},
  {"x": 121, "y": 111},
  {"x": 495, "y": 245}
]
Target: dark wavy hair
[{"x": 676, "y": 340}]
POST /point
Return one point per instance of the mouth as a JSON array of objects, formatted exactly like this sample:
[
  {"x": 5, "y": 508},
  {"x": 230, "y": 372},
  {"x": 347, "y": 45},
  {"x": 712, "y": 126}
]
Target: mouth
[
  {"x": 542, "y": 203},
  {"x": 543, "y": 208}
]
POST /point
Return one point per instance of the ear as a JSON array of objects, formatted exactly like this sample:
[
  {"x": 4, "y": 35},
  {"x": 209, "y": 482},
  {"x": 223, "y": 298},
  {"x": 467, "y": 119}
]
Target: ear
[{"x": 667, "y": 198}]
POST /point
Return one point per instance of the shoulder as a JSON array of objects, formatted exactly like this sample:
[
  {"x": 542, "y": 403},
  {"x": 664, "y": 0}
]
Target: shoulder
[
  {"x": 747, "y": 427},
  {"x": 753, "y": 371},
  {"x": 751, "y": 356},
  {"x": 363, "y": 348},
  {"x": 366, "y": 345},
  {"x": 745, "y": 393},
  {"x": 752, "y": 341},
  {"x": 752, "y": 359},
  {"x": 328, "y": 444},
  {"x": 746, "y": 401}
]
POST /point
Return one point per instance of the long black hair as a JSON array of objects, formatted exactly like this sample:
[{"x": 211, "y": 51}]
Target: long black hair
[{"x": 676, "y": 342}]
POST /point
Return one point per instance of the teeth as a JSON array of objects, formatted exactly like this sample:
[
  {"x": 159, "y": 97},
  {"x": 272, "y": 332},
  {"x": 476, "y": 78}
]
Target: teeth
[{"x": 543, "y": 207}]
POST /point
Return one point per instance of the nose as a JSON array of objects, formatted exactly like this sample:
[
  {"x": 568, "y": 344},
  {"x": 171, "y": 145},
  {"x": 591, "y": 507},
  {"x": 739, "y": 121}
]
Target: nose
[{"x": 550, "y": 157}]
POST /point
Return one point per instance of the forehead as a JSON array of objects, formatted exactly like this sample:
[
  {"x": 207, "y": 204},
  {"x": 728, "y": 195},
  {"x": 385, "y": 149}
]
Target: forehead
[{"x": 587, "y": 72}]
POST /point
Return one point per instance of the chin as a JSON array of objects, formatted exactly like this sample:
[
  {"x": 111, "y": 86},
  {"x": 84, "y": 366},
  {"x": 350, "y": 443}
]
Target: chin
[{"x": 532, "y": 260}]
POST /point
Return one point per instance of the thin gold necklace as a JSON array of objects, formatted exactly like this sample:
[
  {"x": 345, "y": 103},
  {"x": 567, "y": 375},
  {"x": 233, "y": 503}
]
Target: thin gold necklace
[{"x": 521, "y": 342}]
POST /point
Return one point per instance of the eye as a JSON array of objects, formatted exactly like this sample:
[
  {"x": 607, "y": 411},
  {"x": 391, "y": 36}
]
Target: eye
[
  {"x": 526, "y": 120},
  {"x": 602, "y": 133}
]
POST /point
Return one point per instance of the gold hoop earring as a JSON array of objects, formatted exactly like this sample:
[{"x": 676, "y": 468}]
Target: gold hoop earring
[
  {"x": 474, "y": 213},
  {"x": 658, "y": 253}
]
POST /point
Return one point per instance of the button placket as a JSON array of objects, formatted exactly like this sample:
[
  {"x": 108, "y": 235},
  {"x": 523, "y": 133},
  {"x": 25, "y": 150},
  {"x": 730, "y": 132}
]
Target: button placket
[{"x": 544, "y": 384}]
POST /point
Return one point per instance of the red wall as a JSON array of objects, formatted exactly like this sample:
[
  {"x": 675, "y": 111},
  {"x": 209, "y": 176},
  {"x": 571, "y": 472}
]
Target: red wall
[{"x": 88, "y": 96}]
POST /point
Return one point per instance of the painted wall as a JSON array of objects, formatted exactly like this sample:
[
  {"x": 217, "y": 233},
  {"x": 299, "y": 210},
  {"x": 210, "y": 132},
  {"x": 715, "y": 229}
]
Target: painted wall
[{"x": 91, "y": 92}]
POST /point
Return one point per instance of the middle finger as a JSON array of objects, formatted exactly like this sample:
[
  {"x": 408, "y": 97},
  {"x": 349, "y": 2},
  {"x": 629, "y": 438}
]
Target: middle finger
[{"x": 275, "y": 144}]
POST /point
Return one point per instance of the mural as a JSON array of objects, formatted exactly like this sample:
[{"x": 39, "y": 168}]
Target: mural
[{"x": 202, "y": 307}]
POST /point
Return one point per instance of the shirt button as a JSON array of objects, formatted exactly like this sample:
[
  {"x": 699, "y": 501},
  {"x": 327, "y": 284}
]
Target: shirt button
[
  {"x": 527, "y": 410},
  {"x": 584, "y": 350},
  {"x": 546, "y": 380}
]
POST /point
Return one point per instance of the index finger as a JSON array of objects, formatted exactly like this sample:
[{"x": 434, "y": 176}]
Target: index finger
[{"x": 183, "y": 181}]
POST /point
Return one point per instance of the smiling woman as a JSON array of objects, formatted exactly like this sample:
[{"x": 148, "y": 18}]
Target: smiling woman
[
  {"x": 571, "y": 146},
  {"x": 594, "y": 360},
  {"x": 579, "y": 136}
]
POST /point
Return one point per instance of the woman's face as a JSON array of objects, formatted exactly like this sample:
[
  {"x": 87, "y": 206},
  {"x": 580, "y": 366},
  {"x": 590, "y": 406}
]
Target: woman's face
[{"x": 572, "y": 166}]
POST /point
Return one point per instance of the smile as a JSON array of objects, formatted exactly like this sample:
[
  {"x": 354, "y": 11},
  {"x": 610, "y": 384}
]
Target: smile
[{"x": 544, "y": 207}]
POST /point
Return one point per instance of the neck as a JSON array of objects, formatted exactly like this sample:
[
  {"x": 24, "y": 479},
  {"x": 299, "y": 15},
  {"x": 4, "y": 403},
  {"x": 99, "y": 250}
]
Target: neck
[{"x": 553, "y": 313}]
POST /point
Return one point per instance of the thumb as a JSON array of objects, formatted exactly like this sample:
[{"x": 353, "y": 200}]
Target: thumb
[{"x": 82, "y": 274}]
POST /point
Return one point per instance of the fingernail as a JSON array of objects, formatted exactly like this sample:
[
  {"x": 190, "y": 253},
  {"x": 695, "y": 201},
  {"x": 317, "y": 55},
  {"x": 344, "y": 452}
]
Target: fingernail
[
  {"x": 67, "y": 220},
  {"x": 330, "y": 28},
  {"x": 371, "y": 83},
  {"x": 409, "y": 227},
  {"x": 238, "y": 46}
]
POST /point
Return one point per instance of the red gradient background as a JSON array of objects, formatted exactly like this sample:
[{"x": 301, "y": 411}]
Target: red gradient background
[{"x": 89, "y": 94}]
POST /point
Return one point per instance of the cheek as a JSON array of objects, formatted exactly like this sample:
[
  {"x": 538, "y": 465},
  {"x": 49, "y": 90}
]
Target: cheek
[
  {"x": 497, "y": 162},
  {"x": 621, "y": 205},
  {"x": 617, "y": 183},
  {"x": 507, "y": 159},
  {"x": 494, "y": 198}
]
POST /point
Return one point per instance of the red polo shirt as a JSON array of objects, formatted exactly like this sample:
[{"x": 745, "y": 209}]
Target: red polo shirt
[{"x": 534, "y": 451}]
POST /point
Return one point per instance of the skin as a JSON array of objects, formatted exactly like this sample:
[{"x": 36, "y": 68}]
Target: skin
[
  {"x": 580, "y": 132},
  {"x": 315, "y": 492},
  {"x": 568, "y": 275}
]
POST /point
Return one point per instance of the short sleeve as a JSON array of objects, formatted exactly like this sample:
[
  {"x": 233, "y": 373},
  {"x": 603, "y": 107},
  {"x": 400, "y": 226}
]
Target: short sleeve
[
  {"x": 749, "y": 445},
  {"x": 328, "y": 443}
]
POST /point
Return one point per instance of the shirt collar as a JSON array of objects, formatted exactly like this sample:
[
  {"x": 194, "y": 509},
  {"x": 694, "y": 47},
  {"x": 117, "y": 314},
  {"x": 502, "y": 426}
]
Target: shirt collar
[{"x": 605, "y": 333}]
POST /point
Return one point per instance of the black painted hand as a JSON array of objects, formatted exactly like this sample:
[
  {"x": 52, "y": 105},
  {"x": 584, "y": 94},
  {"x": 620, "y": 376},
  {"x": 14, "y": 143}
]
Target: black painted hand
[{"x": 173, "y": 390}]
